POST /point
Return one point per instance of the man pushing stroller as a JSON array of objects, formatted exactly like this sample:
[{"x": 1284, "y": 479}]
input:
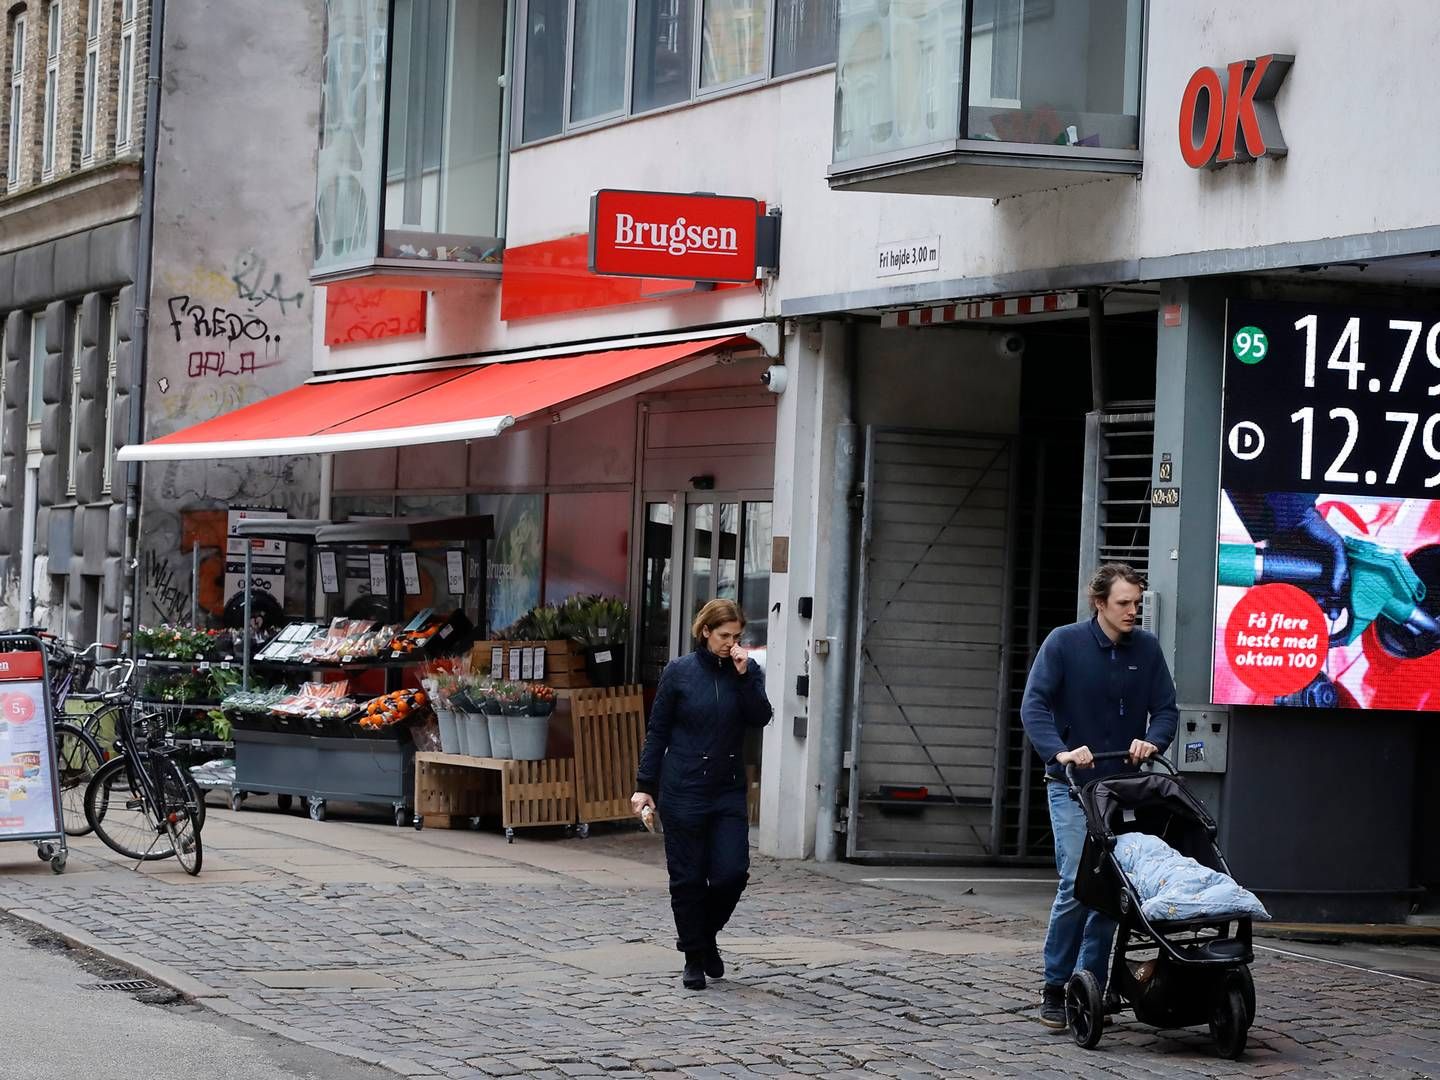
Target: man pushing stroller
[{"x": 1100, "y": 685}]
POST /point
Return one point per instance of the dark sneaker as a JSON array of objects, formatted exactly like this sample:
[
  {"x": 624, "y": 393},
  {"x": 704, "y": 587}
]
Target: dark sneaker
[
  {"x": 693, "y": 977},
  {"x": 1052, "y": 1007},
  {"x": 714, "y": 966}
]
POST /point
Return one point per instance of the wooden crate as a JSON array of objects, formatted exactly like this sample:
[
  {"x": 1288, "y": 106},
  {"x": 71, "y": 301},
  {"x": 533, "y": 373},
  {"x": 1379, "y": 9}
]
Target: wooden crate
[
  {"x": 609, "y": 726},
  {"x": 452, "y": 788},
  {"x": 539, "y": 792}
]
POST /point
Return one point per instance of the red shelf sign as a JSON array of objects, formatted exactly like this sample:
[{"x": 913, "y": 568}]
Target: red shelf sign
[{"x": 655, "y": 234}]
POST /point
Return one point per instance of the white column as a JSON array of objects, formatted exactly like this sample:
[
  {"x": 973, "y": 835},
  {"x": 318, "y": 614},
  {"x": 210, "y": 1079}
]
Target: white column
[{"x": 805, "y": 429}]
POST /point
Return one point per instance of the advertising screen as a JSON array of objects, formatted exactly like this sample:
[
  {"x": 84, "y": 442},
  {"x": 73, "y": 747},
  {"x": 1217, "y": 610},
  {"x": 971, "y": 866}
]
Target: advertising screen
[{"x": 1328, "y": 575}]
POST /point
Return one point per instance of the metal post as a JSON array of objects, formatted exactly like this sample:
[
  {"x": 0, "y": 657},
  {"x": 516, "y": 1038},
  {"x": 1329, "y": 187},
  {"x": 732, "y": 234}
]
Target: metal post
[
  {"x": 839, "y": 624},
  {"x": 195, "y": 583},
  {"x": 1095, "y": 305},
  {"x": 245, "y": 630},
  {"x": 140, "y": 323}
]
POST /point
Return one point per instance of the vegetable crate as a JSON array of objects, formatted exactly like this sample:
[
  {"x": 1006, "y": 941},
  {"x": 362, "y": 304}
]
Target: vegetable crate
[
  {"x": 609, "y": 724},
  {"x": 564, "y": 661},
  {"x": 451, "y": 790}
]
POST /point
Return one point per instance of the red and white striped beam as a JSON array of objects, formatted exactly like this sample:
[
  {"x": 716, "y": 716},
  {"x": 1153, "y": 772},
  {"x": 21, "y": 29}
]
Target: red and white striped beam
[{"x": 981, "y": 309}]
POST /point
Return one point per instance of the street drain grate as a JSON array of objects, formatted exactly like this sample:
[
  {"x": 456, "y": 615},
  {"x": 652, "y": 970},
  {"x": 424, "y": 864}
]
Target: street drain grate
[{"x": 125, "y": 986}]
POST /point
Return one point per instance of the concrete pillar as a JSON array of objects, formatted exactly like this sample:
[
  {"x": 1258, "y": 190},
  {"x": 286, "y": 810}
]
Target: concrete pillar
[{"x": 805, "y": 429}]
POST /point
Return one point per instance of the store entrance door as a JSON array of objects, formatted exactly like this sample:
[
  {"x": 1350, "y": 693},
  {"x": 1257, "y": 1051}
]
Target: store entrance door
[
  {"x": 929, "y": 701},
  {"x": 700, "y": 546}
]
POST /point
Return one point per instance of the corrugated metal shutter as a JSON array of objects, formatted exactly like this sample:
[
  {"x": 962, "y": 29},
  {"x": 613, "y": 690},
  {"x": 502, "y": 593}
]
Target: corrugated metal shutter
[{"x": 930, "y": 685}]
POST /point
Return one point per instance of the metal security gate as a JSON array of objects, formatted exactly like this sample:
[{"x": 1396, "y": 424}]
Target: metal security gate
[{"x": 930, "y": 689}]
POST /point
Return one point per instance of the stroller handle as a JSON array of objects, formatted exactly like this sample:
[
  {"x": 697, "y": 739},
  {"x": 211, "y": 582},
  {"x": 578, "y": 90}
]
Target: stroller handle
[{"x": 1111, "y": 755}]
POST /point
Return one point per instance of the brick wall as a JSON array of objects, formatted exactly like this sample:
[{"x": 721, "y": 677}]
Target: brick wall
[{"x": 71, "y": 89}]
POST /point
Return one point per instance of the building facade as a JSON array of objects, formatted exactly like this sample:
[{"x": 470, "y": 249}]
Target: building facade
[
  {"x": 73, "y": 130},
  {"x": 226, "y": 312},
  {"x": 1011, "y": 235}
]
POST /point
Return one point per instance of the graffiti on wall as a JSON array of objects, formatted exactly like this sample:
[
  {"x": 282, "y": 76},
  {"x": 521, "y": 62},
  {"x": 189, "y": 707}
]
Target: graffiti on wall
[
  {"x": 257, "y": 284},
  {"x": 230, "y": 334},
  {"x": 353, "y": 313}
]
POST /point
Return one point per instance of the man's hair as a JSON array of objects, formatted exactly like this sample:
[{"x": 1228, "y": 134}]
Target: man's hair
[
  {"x": 716, "y": 613},
  {"x": 1105, "y": 578}
]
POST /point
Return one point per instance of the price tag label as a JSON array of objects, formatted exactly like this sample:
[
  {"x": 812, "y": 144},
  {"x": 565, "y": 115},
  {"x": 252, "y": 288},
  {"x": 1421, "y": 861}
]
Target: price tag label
[
  {"x": 329, "y": 573},
  {"x": 379, "y": 578},
  {"x": 539, "y": 663},
  {"x": 455, "y": 572},
  {"x": 497, "y": 662},
  {"x": 516, "y": 665},
  {"x": 410, "y": 573}
]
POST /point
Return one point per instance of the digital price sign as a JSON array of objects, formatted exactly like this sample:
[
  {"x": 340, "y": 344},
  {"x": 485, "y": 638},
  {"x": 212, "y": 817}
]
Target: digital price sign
[{"x": 1328, "y": 580}]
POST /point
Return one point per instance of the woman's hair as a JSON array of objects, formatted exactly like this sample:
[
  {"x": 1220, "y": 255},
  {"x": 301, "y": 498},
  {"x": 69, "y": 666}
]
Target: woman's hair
[
  {"x": 716, "y": 613},
  {"x": 1105, "y": 578}
]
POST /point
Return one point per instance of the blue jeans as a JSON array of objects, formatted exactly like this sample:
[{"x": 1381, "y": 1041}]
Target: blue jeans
[{"x": 1077, "y": 937}]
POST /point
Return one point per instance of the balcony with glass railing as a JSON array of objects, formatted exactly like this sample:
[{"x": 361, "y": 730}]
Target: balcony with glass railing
[
  {"x": 986, "y": 97},
  {"x": 410, "y": 186}
]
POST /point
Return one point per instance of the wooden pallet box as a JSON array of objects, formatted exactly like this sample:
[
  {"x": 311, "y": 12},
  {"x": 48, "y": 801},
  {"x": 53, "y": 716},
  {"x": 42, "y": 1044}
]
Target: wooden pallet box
[
  {"x": 609, "y": 728},
  {"x": 450, "y": 789}
]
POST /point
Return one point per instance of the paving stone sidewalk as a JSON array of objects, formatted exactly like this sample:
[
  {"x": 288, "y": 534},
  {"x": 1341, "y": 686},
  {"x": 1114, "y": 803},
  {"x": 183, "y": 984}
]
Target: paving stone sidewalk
[{"x": 451, "y": 954}]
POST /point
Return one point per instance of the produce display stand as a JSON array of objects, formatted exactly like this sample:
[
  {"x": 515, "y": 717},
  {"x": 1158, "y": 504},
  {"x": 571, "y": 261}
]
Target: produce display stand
[
  {"x": 28, "y": 765},
  {"x": 455, "y": 791},
  {"x": 321, "y": 762}
]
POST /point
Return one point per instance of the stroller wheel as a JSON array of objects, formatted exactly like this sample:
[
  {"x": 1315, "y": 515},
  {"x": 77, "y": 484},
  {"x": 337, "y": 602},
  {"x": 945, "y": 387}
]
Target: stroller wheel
[
  {"x": 1246, "y": 982},
  {"x": 1229, "y": 1022},
  {"x": 1084, "y": 1011}
]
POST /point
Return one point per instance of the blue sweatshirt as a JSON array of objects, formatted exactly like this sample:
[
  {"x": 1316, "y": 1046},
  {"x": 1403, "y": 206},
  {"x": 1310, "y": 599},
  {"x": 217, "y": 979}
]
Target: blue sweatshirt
[
  {"x": 694, "y": 742},
  {"x": 1085, "y": 690}
]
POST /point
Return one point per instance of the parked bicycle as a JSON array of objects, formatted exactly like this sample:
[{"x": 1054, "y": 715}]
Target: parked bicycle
[{"x": 141, "y": 803}]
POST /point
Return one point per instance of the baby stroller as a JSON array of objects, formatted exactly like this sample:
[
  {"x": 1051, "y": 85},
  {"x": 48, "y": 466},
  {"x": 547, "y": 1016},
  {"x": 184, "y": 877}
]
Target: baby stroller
[{"x": 1172, "y": 974}]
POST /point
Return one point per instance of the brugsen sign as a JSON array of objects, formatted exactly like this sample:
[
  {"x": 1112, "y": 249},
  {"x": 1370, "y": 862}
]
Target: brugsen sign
[
  {"x": 1229, "y": 115},
  {"x": 655, "y": 234}
]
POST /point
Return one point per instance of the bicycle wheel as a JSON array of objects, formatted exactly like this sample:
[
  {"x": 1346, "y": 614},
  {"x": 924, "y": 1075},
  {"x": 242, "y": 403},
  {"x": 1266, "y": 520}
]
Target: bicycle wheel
[
  {"x": 182, "y": 822},
  {"x": 77, "y": 759},
  {"x": 120, "y": 812}
]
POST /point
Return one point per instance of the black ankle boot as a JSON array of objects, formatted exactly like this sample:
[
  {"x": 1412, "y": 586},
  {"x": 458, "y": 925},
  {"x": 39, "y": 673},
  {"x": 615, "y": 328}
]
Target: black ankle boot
[
  {"x": 714, "y": 966},
  {"x": 693, "y": 977}
]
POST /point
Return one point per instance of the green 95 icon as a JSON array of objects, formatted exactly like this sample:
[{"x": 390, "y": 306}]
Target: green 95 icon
[{"x": 1250, "y": 345}]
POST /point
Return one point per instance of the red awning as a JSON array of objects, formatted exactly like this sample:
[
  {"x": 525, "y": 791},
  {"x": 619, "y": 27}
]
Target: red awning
[{"x": 409, "y": 408}]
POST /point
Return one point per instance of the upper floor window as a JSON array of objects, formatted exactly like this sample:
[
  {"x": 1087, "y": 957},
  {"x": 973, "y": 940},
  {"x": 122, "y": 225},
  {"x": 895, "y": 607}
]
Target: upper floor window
[
  {"x": 575, "y": 54},
  {"x": 125, "y": 77},
  {"x": 17, "y": 95},
  {"x": 1055, "y": 83},
  {"x": 410, "y": 144},
  {"x": 52, "y": 90},
  {"x": 92, "y": 73},
  {"x": 35, "y": 413}
]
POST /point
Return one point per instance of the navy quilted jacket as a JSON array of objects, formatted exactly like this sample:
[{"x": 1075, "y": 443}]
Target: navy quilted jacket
[{"x": 697, "y": 725}]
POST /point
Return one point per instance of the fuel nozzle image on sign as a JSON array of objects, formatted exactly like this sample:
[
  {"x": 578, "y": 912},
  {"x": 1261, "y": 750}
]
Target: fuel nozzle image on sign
[{"x": 1328, "y": 601}]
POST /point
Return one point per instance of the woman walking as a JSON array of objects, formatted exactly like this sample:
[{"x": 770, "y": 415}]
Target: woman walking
[{"x": 693, "y": 763}]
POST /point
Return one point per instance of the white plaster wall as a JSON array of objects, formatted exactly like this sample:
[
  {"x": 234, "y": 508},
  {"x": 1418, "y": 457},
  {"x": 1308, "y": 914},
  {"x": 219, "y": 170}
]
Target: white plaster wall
[
  {"x": 1354, "y": 110},
  {"x": 235, "y": 190}
]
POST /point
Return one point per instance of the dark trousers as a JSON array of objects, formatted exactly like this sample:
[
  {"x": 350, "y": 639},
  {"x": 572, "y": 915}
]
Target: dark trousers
[{"x": 707, "y": 851}]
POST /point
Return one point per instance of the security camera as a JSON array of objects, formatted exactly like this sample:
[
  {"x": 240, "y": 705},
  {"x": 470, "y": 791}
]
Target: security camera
[
  {"x": 1010, "y": 346},
  {"x": 775, "y": 378}
]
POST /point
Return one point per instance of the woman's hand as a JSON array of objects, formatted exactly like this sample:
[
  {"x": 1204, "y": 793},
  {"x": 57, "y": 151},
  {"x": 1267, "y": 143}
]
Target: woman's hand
[
  {"x": 639, "y": 801},
  {"x": 740, "y": 656}
]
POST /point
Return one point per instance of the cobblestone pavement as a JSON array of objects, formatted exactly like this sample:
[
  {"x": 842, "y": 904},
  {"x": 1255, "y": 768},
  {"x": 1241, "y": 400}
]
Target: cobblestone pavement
[{"x": 451, "y": 954}]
